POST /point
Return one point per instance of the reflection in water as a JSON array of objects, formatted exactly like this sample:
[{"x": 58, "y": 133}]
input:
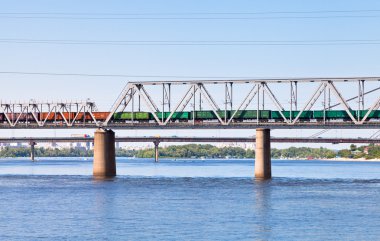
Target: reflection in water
[
  {"x": 105, "y": 206},
  {"x": 263, "y": 206}
]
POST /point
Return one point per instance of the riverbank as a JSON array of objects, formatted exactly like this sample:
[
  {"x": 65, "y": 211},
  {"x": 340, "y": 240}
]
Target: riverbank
[
  {"x": 352, "y": 160},
  {"x": 206, "y": 151}
]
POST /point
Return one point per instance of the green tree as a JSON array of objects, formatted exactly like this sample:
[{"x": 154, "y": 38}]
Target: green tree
[{"x": 353, "y": 147}]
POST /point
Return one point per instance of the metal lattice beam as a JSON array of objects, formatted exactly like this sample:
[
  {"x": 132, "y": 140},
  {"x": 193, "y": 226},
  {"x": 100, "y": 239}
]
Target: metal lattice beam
[{"x": 223, "y": 100}]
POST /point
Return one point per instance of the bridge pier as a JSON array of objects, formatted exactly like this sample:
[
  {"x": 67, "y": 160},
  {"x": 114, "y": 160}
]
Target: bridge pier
[
  {"x": 32, "y": 150},
  {"x": 263, "y": 165},
  {"x": 156, "y": 153},
  {"x": 104, "y": 154}
]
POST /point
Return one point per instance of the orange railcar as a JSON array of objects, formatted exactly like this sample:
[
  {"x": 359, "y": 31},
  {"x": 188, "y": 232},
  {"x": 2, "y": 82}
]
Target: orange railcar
[
  {"x": 56, "y": 116},
  {"x": 22, "y": 117},
  {"x": 99, "y": 116}
]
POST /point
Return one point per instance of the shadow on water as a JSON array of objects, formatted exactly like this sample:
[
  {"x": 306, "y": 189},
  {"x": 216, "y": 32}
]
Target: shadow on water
[
  {"x": 101, "y": 179},
  {"x": 262, "y": 207}
]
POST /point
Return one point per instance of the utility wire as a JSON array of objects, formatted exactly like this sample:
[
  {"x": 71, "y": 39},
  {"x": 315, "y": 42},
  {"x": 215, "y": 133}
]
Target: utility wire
[
  {"x": 193, "y": 13},
  {"x": 375, "y": 135},
  {"x": 119, "y": 75},
  {"x": 191, "y": 42},
  {"x": 318, "y": 14},
  {"x": 368, "y": 13},
  {"x": 196, "y": 41},
  {"x": 319, "y": 133},
  {"x": 190, "y": 18}
]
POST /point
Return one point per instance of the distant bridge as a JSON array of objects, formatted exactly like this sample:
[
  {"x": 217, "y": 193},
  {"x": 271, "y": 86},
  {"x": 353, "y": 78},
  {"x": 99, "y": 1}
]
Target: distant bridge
[
  {"x": 157, "y": 140},
  {"x": 190, "y": 139}
]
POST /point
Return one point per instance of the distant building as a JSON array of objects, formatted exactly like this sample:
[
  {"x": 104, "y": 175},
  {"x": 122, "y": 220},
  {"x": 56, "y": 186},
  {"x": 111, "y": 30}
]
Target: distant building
[
  {"x": 3, "y": 145},
  {"x": 54, "y": 144},
  {"x": 87, "y": 146}
]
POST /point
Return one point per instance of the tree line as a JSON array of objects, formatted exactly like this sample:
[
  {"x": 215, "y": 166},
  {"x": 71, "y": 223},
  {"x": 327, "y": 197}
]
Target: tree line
[{"x": 203, "y": 151}]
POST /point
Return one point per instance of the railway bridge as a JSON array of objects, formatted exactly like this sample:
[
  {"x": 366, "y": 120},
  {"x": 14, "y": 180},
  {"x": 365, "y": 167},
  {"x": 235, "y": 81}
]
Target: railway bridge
[{"x": 261, "y": 104}]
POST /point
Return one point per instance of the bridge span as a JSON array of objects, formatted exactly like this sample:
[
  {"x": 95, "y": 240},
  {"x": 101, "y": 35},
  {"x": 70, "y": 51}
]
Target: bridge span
[
  {"x": 214, "y": 104},
  {"x": 261, "y": 104}
]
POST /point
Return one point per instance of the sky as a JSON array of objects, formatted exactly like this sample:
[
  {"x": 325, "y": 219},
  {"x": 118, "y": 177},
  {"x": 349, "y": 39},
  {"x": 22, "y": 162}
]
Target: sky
[{"x": 44, "y": 21}]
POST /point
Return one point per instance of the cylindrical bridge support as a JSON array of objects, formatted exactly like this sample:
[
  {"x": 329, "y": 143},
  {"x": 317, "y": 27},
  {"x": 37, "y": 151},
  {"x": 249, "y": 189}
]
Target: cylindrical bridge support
[
  {"x": 32, "y": 150},
  {"x": 156, "y": 153},
  {"x": 263, "y": 165},
  {"x": 104, "y": 154}
]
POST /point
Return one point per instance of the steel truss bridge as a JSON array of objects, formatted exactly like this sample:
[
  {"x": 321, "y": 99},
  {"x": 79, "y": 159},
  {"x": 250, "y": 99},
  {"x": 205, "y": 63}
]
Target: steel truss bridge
[{"x": 358, "y": 98}]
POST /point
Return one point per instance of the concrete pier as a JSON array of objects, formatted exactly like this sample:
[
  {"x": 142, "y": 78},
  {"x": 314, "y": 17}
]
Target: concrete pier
[
  {"x": 104, "y": 154},
  {"x": 263, "y": 165},
  {"x": 156, "y": 153},
  {"x": 32, "y": 151}
]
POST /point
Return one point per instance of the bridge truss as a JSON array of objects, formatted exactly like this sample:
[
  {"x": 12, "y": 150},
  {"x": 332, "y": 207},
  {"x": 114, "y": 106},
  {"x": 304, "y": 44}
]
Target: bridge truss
[
  {"x": 35, "y": 114},
  {"x": 291, "y": 98}
]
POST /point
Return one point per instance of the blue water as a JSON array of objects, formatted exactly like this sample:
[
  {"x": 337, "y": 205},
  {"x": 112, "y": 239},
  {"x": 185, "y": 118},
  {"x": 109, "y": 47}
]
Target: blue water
[{"x": 57, "y": 199}]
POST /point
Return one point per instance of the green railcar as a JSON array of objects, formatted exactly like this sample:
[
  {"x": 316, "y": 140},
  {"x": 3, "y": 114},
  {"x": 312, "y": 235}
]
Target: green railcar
[
  {"x": 251, "y": 114},
  {"x": 264, "y": 114},
  {"x": 245, "y": 114},
  {"x": 275, "y": 115},
  {"x": 373, "y": 114},
  {"x": 304, "y": 115},
  {"x": 332, "y": 114},
  {"x": 209, "y": 115},
  {"x": 175, "y": 116},
  {"x": 128, "y": 116},
  {"x": 122, "y": 116},
  {"x": 294, "y": 114}
]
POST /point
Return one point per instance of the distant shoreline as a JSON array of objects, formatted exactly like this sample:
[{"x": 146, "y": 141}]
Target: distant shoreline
[
  {"x": 340, "y": 159},
  {"x": 352, "y": 160}
]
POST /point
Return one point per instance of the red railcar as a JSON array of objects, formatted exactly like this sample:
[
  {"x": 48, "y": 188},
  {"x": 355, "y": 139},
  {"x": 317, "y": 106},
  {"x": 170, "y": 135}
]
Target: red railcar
[
  {"x": 51, "y": 117},
  {"x": 22, "y": 117},
  {"x": 81, "y": 116},
  {"x": 56, "y": 116},
  {"x": 101, "y": 116}
]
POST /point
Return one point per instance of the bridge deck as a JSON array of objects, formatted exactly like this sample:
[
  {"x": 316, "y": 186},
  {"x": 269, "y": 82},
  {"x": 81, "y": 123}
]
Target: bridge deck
[{"x": 209, "y": 125}]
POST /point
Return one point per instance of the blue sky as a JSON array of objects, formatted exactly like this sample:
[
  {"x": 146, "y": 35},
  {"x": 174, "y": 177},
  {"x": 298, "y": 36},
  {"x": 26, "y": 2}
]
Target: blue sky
[{"x": 253, "y": 61}]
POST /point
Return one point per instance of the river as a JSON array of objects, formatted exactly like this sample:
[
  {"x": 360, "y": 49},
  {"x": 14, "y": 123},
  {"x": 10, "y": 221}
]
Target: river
[{"x": 57, "y": 199}]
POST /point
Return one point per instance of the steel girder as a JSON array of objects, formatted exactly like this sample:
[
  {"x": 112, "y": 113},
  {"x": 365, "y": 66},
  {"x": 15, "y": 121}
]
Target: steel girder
[
  {"x": 261, "y": 89},
  {"x": 258, "y": 94},
  {"x": 25, "y": 114}
]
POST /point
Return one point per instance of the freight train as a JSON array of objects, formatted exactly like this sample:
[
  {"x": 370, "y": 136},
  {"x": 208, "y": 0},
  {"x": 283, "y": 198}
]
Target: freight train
[
  {"x": 206, "y": 115},
  {"x": 248, "y": 115}
]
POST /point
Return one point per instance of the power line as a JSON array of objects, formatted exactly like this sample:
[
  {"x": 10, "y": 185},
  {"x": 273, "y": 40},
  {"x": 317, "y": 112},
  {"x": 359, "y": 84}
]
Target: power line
[
  {"x": 193, "y": 42},
  {"x": 264, "y": 15},
  {"x": 197, "y": 41},
  {"x": 193, "y": 13},
  {"x": 120, "y": 75},
  {"x": 191, "y": 18}
]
